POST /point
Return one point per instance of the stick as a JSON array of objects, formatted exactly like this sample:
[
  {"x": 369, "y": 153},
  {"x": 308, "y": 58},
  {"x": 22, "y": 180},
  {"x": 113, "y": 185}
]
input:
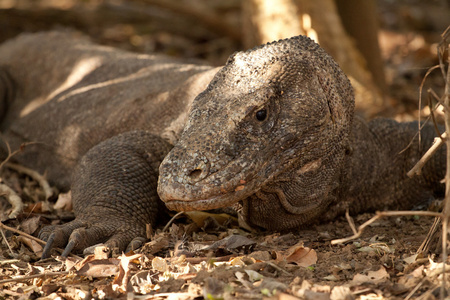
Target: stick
[
  {"x": 171, "y": 220},
  {"x": 446, "y": 213},
  {"x": 22, "y": 278},
  {"x": 13, "y": 199},
  {"x": 22, "y": 233},
  {"x": 35, "y": 175},
  {"x": 438, "y": 142},
  {"x": 385, "y": 214}
]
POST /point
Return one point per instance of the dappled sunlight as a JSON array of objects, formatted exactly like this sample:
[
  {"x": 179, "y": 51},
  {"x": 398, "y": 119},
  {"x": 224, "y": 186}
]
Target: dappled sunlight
[
  {"x": 80, "y": 71},
  {"x": 307, "y": 27}
]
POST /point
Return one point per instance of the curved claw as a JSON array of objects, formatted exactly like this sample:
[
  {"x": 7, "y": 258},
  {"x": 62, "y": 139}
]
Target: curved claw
[
  {"x": 136, "y": 243},
  {"x": 78, "y": 235},
  {"x": 57, "y": 235},
  {"x": 70, "y": 245},
  {"x": 48, "y": 246}
]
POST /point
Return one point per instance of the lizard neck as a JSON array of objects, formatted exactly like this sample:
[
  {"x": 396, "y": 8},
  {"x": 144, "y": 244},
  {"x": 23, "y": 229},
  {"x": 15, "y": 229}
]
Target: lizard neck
[{"x": 383, "y": 152}]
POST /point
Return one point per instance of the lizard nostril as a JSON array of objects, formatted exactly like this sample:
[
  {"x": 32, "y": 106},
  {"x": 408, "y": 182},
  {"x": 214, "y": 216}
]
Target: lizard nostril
[
  {"x": 199, "y": 172},
  {"x": 195, "y": 174}
]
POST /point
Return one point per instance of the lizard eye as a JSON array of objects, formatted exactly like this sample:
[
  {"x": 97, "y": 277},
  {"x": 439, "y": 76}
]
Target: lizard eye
[{"x": 261, "y": 115}]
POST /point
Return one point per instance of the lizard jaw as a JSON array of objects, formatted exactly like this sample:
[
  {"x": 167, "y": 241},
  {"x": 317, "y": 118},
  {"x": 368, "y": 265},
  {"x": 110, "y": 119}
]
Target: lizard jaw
[{"x": 202, "y": 204}]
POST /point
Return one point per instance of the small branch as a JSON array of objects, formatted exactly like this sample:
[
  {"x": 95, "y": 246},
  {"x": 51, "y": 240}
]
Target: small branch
[
  {"x": 443, "y": 47},
  {"x": 45, "y": 274},
  {"x": 11, "y": 154},
  {"x": 171, "y": 220},
  {"x": 22, "y": 233},
  {"x": 426, "y": 242},
  {"x": 438, "y": 142},
  {"x": 384, "y": 214},
  {"x": 6, "y": 241},
  {"x": 13, "y": 199},
  {"x": 350, "y": 222},
  {"x": 35, "y": 175}
]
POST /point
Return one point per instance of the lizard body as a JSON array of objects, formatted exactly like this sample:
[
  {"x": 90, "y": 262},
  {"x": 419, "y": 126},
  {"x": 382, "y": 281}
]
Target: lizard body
[{"x": 272, "y": 134}]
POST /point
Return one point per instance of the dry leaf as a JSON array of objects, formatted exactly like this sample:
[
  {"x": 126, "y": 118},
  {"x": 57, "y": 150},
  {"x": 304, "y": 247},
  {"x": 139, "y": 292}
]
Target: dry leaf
[
  {"x": 298, "y": 254},
  {"x": 372, "y": 277},
  {"x": 31, "y": 225},
  {"x": 253, "y": 275},
  {"x": 159, "y": 264},
  {"x": 233, "y": 242},
  {"x": 121, "y": 280},
  {"x": 236, "y": 262},
  {"x": 410, "y": 259},
  {"x": 99, "y": 268},
  {"x": 64, "y": 202},
  {"x": 32, "y": 244}
]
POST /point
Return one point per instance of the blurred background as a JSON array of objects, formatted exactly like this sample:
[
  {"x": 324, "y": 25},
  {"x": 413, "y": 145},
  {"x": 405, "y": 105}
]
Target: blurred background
[{"x": 384, "y": 46}]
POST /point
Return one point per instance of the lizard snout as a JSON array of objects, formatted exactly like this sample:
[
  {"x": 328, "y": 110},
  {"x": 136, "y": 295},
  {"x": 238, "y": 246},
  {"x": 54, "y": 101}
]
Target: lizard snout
[{"x": 199, "y": 172}]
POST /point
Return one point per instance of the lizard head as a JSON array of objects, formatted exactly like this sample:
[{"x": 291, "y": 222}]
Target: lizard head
[{"x": 270, "y": 132}]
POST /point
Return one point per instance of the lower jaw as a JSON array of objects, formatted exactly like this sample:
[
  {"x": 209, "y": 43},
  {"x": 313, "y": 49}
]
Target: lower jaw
[{"x": 205, "y": 204}]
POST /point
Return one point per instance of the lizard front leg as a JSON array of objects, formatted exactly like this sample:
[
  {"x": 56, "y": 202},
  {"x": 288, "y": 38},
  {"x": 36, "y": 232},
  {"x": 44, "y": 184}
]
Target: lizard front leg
[{"x": 114, "y": 194}]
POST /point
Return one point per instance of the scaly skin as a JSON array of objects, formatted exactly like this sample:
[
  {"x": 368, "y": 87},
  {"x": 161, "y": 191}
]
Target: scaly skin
[{"x": 273, "y": 135}]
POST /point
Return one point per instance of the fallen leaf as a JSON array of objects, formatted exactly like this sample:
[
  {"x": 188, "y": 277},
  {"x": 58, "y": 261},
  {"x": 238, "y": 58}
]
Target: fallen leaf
[
  {"x": 410, "y": 259},
  {"x": 159, "y": 264},
  {"x": 32, "y": 244},
  {"x": 298, "y": 254},
  {"x": 378, "y": 247},
  {"x": 142, "y": 282},
  {"x": 99, "y": 268},
  {"x": 31, "y": 225},
  {"x": 233, "y": 242},
  {"x": 253, "y": 275},
  {"x": 64, "y": 201},
  {"x": 240, "y": 277},
  {"x": 372, "y": 277},
  {"x": 236, "y": 262},
  {"x": 157, "y": 244},
  {"x": 121, "y": 280},
  {"x": 341, "y": 293},
  {"x": 283, "y": 296}
]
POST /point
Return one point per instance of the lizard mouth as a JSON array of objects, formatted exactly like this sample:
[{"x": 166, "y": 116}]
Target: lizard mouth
[{"x": 202, "y": 204}]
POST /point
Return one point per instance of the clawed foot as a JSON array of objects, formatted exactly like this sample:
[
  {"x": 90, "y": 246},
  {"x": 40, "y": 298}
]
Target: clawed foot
[{"x": 78, "y": 235}]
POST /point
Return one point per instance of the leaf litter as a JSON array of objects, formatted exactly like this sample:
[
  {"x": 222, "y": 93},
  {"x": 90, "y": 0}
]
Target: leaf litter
[{"x": 216, "y": 259}]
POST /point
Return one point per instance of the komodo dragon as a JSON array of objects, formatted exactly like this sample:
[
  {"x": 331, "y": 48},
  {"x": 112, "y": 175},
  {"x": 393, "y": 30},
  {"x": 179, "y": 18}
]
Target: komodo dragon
[{"x": 271, "y": 134}]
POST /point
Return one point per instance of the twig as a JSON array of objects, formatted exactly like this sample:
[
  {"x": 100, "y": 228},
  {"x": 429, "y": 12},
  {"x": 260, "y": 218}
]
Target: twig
[
  {"x": 6, "y": 241},
  {"x": 414, "y": 290},
  {"x": 11, "y": 154},
  {"x": 13, "y": 199},
  {"x": 45, "y": 274},
  {"x": 384, "y": 214},
  {"x": 446, "y": 212},
  {"x": 197, "y": 260},
  {"x": 22, "y": 233},
  {"x": 35, "y": 175},
  {"x": 420, "y": 95},
  {"x": 350, "y": 222},
  {"x": 278, "y": 268},
  {"x": 426, "y": 242},
  {"x": 171, "y": 220},
  {"x": 438, "y": 142},
  {"x": 431, "y": 93}
]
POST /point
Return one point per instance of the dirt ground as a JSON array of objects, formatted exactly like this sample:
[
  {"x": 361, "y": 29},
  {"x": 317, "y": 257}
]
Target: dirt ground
[{"x": 203, "y": 255}]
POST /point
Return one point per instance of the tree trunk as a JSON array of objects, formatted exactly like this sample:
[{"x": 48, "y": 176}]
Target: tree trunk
[{"x": 268, "y": 20}]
